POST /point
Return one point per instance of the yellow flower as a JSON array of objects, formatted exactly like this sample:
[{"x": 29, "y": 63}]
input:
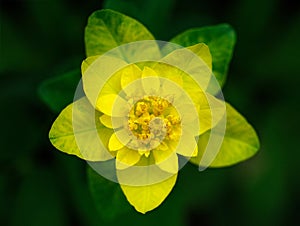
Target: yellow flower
[
  {"x": 149, "y": 107},
  {"x": 144, "y": 114}
]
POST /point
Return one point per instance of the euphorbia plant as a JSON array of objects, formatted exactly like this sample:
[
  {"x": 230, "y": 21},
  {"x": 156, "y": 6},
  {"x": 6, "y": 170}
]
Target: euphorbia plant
[{"x": 150, "y": 106}]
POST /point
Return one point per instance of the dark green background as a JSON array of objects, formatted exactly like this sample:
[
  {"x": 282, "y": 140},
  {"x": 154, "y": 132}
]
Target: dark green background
[{"x": 41, "y": 186}]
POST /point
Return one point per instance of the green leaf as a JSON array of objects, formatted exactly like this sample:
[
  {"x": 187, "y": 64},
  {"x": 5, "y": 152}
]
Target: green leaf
[
  {"x": 59, "y": 91},
  {"x": 130, "y": 8},
  {"x": 108, "y": 29},
  {"x": 240, "y": 141},
  {"x": 220, "y": 40},
  {"x": 77, "y": 129},
  {"x": 154, "y": 14},
  {"x": 108, "y": 196}
]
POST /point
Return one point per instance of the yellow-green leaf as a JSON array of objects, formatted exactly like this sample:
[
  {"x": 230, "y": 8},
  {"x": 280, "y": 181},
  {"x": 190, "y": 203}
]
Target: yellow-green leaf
[
  {"x": 87, "y": 62},
  {"x": 203, "y": 52},
  {"x": 108, "y": 29},
  {"x": 220, "y": 40},
  {"x": 193, "y": 63},
  {"x": 240, "y": 141},
  {"x": 146, "y": 198},
  {"x": 78, "y": 131}
]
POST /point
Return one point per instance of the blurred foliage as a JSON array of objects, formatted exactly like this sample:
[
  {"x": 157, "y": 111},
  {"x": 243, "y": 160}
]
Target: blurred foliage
[
  {"x": 52, "y": 90},
  {"x": 42, "y": 39}
]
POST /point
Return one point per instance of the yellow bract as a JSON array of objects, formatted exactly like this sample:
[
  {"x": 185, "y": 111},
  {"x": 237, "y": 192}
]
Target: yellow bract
[{"x": 153, "y": 123}]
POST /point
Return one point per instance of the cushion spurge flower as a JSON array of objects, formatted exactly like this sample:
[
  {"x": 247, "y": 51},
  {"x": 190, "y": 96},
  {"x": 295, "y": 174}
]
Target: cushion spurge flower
[{"x": 147, "y": 110}]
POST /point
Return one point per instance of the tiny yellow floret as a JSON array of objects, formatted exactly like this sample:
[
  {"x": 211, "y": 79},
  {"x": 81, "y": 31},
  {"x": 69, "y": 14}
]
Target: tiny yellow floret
[{"x": 150, "y": 123}]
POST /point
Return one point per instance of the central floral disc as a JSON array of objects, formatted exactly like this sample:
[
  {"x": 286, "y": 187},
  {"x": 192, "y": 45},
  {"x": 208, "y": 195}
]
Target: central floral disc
[{"x": 152, "y": 121}]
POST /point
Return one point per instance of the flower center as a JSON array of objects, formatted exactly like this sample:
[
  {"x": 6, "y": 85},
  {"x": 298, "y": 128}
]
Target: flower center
[{"x": 151, "y": 120}]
